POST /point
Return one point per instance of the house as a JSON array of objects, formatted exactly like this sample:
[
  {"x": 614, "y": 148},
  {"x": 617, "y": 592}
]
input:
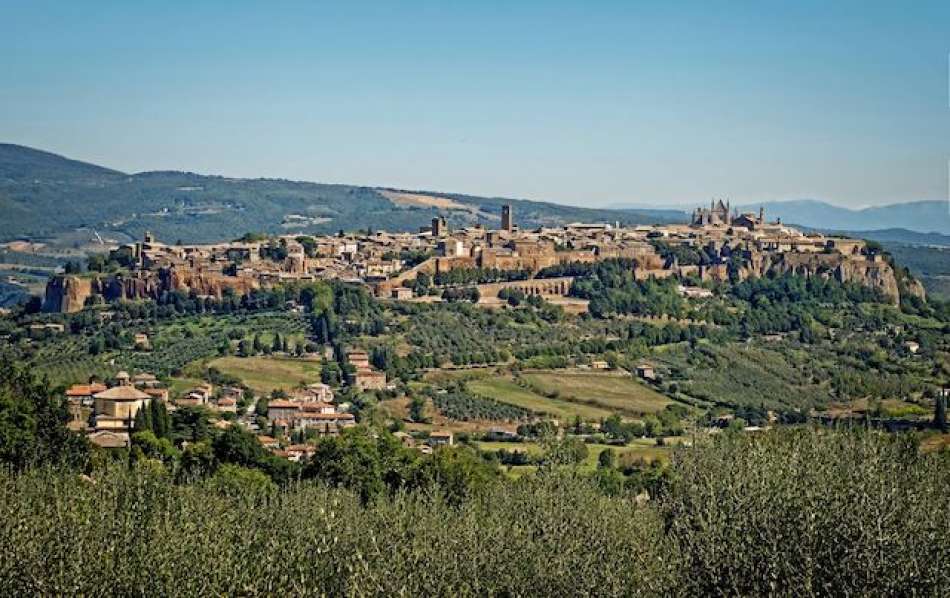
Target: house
[
  {"x": 358, "y": 359},
  {"x": 268, "y": 442},
  {"x": 83, "y": 393},
  {"x": 323, "y": 423},
  {"x": 309, "y": 415},
  {"x": 401, "y": 293},
  {"x": 441, "y": 438},
  {"x": 109, "y": 440},
  {"x": 115, "y": 408},
  {"x": 912, "y": 346},
  {"x": 159, "y": 394},
  {"x": 694, "y": 292},
  {"x": 141, "y": 341},
  {"x": 145, "y": 379},
  {"x": 299, "y": 452},
  {"x": 599, "y": 365},
  {"x": 645, "y": 372},
  {"x": 367, "y": 379},
  {"x": 318, "y": 392},
  {"x": 282, "y": 409},
  {"x": 197, "y": 396},
  {"x": 226, "y": 405},
  {"x": 500, "y": 434},
  {"x": 232, "y": 392},
  {"x": 78, "y": 416}
]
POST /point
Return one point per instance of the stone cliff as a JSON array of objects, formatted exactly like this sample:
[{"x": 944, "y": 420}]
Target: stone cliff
[
  {"x": 68, "y": 293},
  {"x": 874, "y": 273}
]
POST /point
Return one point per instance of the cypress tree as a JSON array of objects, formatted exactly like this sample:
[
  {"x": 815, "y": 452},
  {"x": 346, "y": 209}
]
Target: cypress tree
[
  {"x": 940, "y": 411},
  {"x": 161, "y": 422},
  {"x": 143, "y": 421}
]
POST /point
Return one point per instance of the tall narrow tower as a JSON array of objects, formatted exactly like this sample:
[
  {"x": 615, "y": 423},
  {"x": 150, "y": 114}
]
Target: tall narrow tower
[{"x": 507, "y": 221}]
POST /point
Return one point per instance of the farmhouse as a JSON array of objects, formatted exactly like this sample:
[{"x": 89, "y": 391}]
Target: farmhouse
[{"x": 115, "y": 408}]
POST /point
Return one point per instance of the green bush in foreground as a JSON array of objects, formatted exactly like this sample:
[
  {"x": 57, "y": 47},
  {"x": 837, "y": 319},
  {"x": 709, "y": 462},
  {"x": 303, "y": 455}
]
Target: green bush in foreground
[
  {"x": 811, "y": 512},
  {"x": 787, "y": 513}
]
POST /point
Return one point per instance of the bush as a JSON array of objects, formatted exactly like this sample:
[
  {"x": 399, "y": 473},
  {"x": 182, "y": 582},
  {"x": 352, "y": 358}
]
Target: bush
[
  {"x": 781, "y": 513},
  {"x": 810, "y": 512}
]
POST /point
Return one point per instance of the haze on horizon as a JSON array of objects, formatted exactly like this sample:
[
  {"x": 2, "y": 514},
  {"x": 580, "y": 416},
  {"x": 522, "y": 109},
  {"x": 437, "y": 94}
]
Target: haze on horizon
[{"x": 584, "y": 104}]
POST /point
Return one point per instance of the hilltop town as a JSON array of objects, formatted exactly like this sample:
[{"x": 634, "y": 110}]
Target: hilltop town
[
  {"x": 717, "y": 245},
  {"x": 490, "y": 268}
]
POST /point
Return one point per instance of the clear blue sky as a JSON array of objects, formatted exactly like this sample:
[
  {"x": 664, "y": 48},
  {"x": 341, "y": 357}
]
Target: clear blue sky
[{"x": 589, "y": 103}]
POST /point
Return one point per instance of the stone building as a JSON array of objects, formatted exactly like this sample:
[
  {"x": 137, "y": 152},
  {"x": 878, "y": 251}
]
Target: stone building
[
  {"x": 115, "y": 408},
  {"x": 718, "y": 213}
]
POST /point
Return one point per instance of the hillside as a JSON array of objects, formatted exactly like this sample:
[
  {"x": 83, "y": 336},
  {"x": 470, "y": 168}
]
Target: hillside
[
  {"x": 43, "y": 195},
  {"x": 918, "y": 216}
]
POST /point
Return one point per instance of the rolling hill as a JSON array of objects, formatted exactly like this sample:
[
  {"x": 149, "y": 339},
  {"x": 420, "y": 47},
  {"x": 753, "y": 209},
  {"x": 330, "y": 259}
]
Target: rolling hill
[
  {"x": 919, "y": 216},
  {"x": 46, "y": 196},
  {"x": 924, "y": 217}
]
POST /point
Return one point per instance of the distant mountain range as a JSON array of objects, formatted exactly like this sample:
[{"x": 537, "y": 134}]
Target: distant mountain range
[
  {"x": 44, "y": 196},
  {"x": 918, "y": 216}
]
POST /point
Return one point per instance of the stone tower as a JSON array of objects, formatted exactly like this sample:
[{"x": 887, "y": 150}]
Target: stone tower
[
  {"x": 507, "y": 220},
  {"x": 439, "y": 226}
]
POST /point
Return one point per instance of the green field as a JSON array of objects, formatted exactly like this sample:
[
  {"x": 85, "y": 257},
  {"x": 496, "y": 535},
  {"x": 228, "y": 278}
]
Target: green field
[
  {"x": 644, "y": 449},
  {"x": 505, "y": 390},
  {"x": 264, "y": 374},
  {"x": 614, "y": 392}
]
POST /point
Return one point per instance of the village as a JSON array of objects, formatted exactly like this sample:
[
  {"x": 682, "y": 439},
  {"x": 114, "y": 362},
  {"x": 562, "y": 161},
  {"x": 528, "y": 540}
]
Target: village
[
  {"x": 717, "y": 244},
  {"x": 423, "y": 267}
]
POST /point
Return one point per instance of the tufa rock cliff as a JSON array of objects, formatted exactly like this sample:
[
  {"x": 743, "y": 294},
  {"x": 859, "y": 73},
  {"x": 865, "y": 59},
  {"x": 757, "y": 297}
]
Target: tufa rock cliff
[
  {"x": 68, "y": 293},
  {"x": 874, "y": 273}
]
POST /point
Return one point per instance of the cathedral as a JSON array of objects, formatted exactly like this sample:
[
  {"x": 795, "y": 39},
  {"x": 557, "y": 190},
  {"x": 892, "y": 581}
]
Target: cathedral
[{"x": 718, "y": 213}]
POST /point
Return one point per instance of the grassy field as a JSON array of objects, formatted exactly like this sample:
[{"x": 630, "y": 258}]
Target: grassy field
[
  {"x": 644, "y": 449},
  {"x": 611, "y": 391},
  {"x": 264, "y": 374},
  {"x": 505, "y": 390}
]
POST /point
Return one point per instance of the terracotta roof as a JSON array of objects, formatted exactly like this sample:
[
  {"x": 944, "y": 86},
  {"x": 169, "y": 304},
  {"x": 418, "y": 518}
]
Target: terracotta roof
[
  {"x": 84, "y": 390},
  {"x": 325, "y": 416},
  {"x": 282, "y": 404},
  {"x": 109, "y": 439},
  {"x": 122, "y": 393}
]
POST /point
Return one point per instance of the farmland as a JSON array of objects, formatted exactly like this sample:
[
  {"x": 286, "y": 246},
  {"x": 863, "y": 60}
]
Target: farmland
[
  {"x": 611, "y": 391},
  {"x": 506, "y": 390},
  {"x": 641, "y": 449},
  {"x": 264, "y": 374}
]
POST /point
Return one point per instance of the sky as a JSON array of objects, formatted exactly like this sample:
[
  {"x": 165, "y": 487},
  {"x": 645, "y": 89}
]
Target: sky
[{"x": 585, "y": 103}]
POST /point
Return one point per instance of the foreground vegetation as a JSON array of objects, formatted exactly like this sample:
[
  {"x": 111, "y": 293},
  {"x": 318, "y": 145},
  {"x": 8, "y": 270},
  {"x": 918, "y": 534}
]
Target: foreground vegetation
[{"x": 788, "y": 513}]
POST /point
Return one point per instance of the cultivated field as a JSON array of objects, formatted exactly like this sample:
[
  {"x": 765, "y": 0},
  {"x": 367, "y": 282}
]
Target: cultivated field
[
  {"x": 264, "y": 374},
  {"x": 639, "y": 450},
  {"x": 614, "y": 392},
  {"x": 505, "y": 390}
]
